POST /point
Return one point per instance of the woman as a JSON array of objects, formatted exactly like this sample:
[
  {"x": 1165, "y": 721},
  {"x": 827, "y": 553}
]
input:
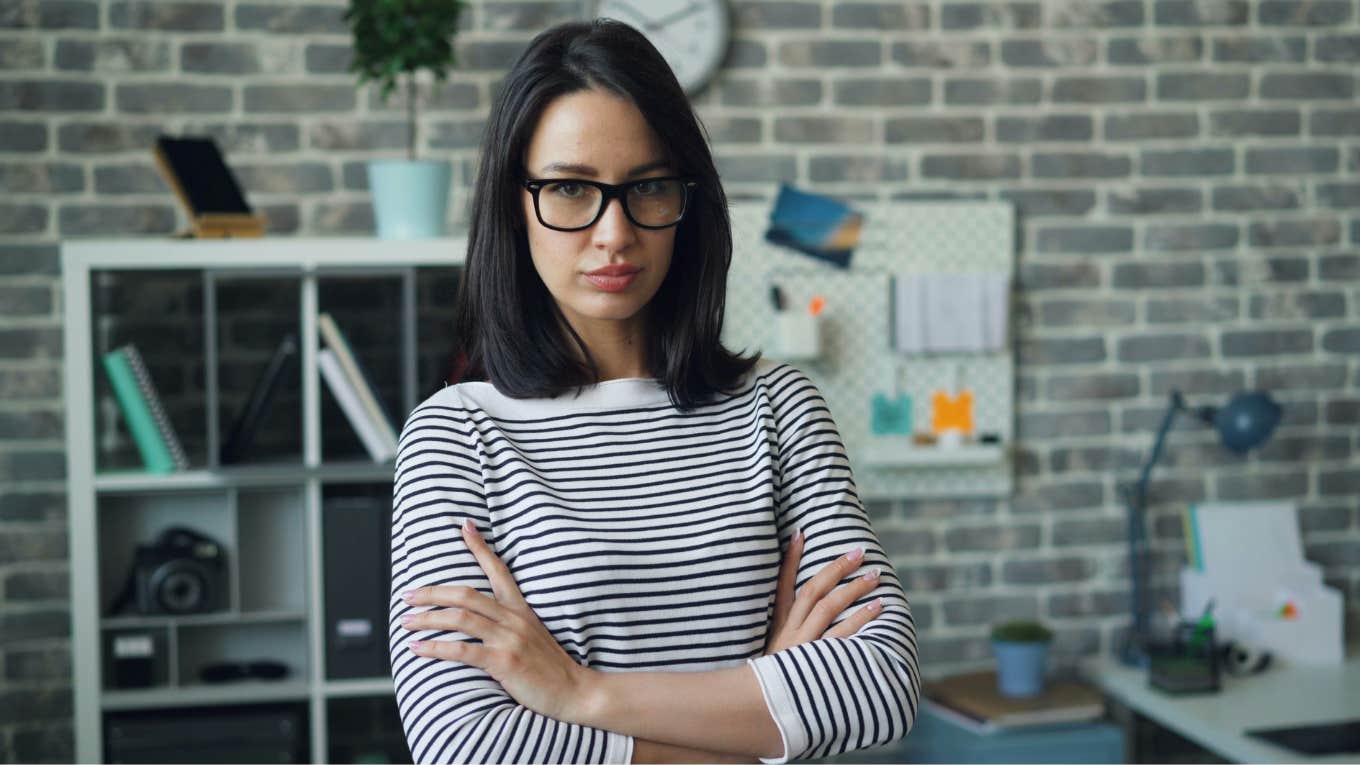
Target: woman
[{"x": 635, "y": 481}]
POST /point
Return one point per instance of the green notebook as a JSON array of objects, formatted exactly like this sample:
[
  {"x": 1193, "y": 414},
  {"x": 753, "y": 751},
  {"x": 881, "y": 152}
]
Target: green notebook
[{"x": 141, "y": 406}]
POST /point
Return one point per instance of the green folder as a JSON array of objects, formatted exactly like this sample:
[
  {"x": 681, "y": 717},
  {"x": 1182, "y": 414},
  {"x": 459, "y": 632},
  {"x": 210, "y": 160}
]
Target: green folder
[{"x": 137, "y": 412}]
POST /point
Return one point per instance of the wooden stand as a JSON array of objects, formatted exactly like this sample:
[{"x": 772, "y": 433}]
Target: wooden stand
[
  {"x": 238, "y": 223},
  {"x": 225, "y": 226}
]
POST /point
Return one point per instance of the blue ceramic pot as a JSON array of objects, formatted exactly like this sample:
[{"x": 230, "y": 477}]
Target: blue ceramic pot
[
  {"x": 409, "y": 197},
  {"x": 1020, "y": 667}
]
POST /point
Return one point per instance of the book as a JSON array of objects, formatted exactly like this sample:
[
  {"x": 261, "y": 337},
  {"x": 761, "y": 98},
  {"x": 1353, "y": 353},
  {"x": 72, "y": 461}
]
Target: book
[
  {"x": 205, "y": 187},
  {"x": 141, "y": 406},
  {"x": 247, "y": 421},
  {"x": 973, "y": 701},
  {"x": 358, "y": 379},
  {"x": 348, "y": 398},
  {"x": 815, "y": 225}
]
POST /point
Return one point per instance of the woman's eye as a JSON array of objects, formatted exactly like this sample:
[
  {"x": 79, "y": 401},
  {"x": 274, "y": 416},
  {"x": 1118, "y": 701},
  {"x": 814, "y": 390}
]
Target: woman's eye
[
  {"x": 647, "y": 188},
  {"x": 569, "y": 190}
]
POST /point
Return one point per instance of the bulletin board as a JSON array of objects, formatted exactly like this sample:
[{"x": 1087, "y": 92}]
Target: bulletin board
[{"x": 858, "y": 358}]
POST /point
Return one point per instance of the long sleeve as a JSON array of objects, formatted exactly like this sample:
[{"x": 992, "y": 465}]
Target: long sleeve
[
  {"x": 840, "y": 694},
  {"x": 455, "y": 712}
]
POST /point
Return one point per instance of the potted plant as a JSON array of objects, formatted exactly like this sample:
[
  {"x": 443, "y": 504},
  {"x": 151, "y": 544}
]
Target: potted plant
[
  {"x": 394, "y": 40},
  {"x": 1021, "y": 649}
]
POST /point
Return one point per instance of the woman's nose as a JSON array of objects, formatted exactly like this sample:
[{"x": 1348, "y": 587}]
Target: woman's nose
[{"x": 613, "y": 231}]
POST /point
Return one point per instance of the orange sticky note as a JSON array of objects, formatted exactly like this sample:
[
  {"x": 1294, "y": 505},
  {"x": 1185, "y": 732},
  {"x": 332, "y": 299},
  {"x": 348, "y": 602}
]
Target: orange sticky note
[
  {"x": 817, "y": 305},
  {"x": 951, "y": 412}
]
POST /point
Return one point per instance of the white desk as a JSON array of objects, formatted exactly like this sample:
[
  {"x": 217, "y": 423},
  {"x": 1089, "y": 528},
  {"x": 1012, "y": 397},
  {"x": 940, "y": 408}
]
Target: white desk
[{"x": 1282, "y": 696}]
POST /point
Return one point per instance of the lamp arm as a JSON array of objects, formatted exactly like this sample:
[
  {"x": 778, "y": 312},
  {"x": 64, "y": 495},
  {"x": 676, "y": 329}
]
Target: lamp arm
[{"x": 1173, "y": 406}]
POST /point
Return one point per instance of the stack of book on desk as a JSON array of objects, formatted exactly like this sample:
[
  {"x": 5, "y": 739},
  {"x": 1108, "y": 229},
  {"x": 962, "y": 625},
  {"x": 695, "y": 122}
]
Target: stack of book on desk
[{"x": 973, "y": 701}]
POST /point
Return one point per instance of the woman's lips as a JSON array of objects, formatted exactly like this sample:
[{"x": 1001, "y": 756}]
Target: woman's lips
[{"x": 612, "y": 283}]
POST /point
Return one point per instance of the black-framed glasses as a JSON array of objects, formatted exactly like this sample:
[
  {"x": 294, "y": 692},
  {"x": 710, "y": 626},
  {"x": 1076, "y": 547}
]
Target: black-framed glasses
[{"x": 572, "y": 204}]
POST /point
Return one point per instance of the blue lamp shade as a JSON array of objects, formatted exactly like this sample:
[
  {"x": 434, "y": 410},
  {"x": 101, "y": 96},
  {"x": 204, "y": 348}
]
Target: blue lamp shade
[{"x": 1247, "y": 420}]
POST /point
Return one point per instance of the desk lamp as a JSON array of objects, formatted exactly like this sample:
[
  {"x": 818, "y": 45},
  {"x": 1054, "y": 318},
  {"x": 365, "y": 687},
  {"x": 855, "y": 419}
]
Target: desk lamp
[{"x": 1245, "y": 423}]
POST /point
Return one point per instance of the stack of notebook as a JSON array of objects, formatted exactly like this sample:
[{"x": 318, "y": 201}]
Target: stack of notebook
[{"x": 973, "y": 701}]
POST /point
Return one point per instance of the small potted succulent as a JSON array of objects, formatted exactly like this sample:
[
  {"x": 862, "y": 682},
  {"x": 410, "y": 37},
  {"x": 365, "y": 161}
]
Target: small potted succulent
[
  {"x": 394, "y": 40},
  {"x": 1021, "y": 649}
]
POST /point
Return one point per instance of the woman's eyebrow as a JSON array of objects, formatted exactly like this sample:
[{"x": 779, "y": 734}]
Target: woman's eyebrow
[{"x": 590, "y": 172}]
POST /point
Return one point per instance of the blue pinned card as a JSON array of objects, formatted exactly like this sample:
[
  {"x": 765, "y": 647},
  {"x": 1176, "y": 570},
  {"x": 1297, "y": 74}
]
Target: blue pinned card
[
  {"x": 891, "y": 416},
  {"x": 814, "y": 225}
]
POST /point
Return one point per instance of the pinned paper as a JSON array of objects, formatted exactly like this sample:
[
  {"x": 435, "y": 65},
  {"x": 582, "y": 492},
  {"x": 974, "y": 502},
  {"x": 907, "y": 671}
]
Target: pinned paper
[
  {"x": 891, "y": 416},
  {"x": 951, "y": 412}
]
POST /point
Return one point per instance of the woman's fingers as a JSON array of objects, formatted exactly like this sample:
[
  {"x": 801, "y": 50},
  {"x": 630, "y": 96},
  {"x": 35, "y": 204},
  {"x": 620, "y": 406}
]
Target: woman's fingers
[
  {"x": 834, "y": 604},
  {"x": 853, "y": 622},
  {"x": 816, "y": 588},
  {"x": 502, "y": 581},
  {"x": 456, "y": 596},
  {"x": 788, "y": 578},
  {"x": 461, "y": 620}
]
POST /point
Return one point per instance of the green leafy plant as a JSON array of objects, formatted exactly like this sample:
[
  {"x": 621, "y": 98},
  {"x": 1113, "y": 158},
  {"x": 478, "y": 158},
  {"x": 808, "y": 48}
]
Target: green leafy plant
[
  {"x": 1021, "y": 631},
  {"x": 395, "y": 39}
]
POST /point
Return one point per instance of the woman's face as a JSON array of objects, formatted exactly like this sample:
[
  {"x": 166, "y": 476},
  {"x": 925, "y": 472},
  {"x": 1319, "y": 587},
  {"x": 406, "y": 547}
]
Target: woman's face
[{"x": 598, "y": 136}]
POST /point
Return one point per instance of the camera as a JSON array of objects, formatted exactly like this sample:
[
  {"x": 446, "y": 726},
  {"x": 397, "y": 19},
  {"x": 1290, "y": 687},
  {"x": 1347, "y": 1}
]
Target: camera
[{"x": 183, "y": 572}]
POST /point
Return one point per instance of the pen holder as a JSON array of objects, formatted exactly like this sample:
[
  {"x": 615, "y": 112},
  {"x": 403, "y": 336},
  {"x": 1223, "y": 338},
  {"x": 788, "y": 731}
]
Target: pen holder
[
  {"x": 1187, "y": 661},
  {"x": 797, "y": 336}
]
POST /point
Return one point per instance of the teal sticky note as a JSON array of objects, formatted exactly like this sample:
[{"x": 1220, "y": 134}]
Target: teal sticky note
[{"x": 891, "y": 416}]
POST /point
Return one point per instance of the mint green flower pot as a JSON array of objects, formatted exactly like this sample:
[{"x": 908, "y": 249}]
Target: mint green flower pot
[{"x": 410, "y": 197}]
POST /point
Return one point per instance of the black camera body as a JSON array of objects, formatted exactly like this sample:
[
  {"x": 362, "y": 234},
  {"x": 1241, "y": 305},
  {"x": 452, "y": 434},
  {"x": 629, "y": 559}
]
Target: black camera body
[{"x": 183, "y": 572}]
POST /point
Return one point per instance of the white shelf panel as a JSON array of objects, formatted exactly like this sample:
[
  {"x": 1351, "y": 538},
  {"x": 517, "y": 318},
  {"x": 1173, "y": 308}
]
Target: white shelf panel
[
  {"x": 245, "y": 692},
  {"x": 224, "y": 478},
  {"x": 368, "y": 686},
  {"x": 200, "y": 620},
  {"x": 907, "y": 456},
  {"x": 278, "y": 253}
]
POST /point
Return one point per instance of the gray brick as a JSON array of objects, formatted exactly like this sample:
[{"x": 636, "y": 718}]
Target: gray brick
[
  {"x": 50, "y": 14},
  {"x": 1311, "y": 448},
  {"x": 1046, "y": 426},
  {"x": 830, "y": 53},
  {"x": 22, "y": 219},
  {"x": 1308, "y": 304},
  {"x": 1172, "y": 13},
  {"x": 1255, "y": 198},
  {"x": 221, "y": 58},
  {"x": 1048, "y": 570},
  {"x": 784, "y": 15},
  {"x": 1295, "y": 233},
  {"x": 1090, "y": 459},
  {"x": 1262, "y": 122},
  {"x": 1071, "y": 495},
  {"x": 978, "y": 166},
  {"x": 982, "y": 92},
  {"x": 855, "y": 130},
  {"x": 344, "y": 217},
  {"x": 455, "y": 134},
  {"x": 1191, "y": 310},
  {"x": 1087, "y": 313},
  {"x": 51, "y": 96},
  {"x": 934, "y": 130},
  {"x": 113, "y": 55},
  {"x": 878, "y": 91},
  {"x": 30, "y": 343},
  {"x": 1088, "y": 603},
  {"x": 1085, "y": 239},
  {"x": 1053, "y": 351},
  {"x": 162, "y": 98},
  {"x": 35, "y": 704},
  {"x": 1338, "y": 195},
  {"x": 37, "y": 585},
  {"x": 1036, "y": 277},
  {"x": 286, "y": 178},
  {"x": 898, "y": 543},
  {"x": 1004, "y": 15},
  {"x": 41, "y": 178},
  {"x": 16, "y": 384},
  {"x": 1202, "y": 86},
  {"x": 1194, "y": 236},
  {"x": 1099, "y": 90},
  {"x": 1050, "y": 52},
  {"x": 257, "y": 138},
  {"x": 1317, "y": 85},
  {"x": 488, "y": 55},
  {"x": 42, "y": 664},
  {"x": 90, "y": 219},
  {"x": 352, "y": 135},
  {"x": 1155, "y": 125},
  {"x": 1337, "y": 49},
  {"x": 1197, "y": 381},
  {"x": 166, "y": 16},
  {"x": 125, "y": 179},
  {"x": 990, "y": 609},
  {"x": 328, "y": 59},
  {"x": 770, "y": 92},
  {"x": 34, "y": 465},
  {"x": 1050, "y": 127},
  {"x": 1292, "y": 160},
  {"x": 1301, "y": 376},
  {"x": 1286, "y": 268},
  {"x": 1162, "y": 347},
  {"x": 25, "y": 301},
  {"x": 1326, "y": 122},
  {"x": 1184, "y": 162},
  {"x": 953, "y": 648},
  {"x": 1341, "y": 341},
  {"x": 292, "y": 18},
  {"x": 1336, "y": 553},
  {"x": 755, "y": 168},
  {"x": 35, "y": 424},
  {"x": 1268, "y": 342},
  {"x": 522, "y": 16},
  {"x": 1119, "y": 13},
  {"x": 729, "y": 130},
  {"x": 744, "y": 53},
  {"x": 299, "y": 99},
  {"x": 939, "y": 577},
  {"x": 1079, "y": 165},
  {"x": 1259, "y": 50},
  {"x": 942, "y": 54},
  {"x": 1165, "y": 49},
  {"x": 991, "y": 538},
  {"x": 23, "y": 136},
  {"x": 53, "y": 742},
  {"x": 30, "y": 259},
  {"x": 1258, "y": 485},
  {"x": 1033, "y": 202},
  {"x": 21, "y": 54},
  {"x": 1149, "y": 201},
  {"x": 1339, "y": 412},
  {"x": 858, "y": 169},
  {"x": 895, "y": 16},
  {"x": 1303, "y": 12},
  {"x": 1069, "y": 532},
  {"x": 1101, "y": 386},
  {"x": 1339, "y": 267}
]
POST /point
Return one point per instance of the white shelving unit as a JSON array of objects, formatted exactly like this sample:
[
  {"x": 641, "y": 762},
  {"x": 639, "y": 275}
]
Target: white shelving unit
[{"x": 269, "y": 516}]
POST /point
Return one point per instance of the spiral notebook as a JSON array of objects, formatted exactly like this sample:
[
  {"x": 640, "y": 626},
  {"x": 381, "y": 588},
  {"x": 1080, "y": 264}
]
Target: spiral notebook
[{"x": 142, "y": 410}]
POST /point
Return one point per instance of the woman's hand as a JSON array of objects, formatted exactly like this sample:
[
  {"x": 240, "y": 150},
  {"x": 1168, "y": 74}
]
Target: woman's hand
[
  {"x": 804, "y": 616},
  {"x": 516, "y": 650}
]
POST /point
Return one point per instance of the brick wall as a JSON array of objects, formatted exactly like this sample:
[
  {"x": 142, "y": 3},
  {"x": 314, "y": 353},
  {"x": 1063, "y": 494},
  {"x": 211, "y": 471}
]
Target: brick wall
[{"x": 1187, "y": 176}]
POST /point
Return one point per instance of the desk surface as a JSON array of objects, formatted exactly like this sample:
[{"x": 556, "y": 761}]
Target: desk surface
[{"x": 1282, "y": 696}]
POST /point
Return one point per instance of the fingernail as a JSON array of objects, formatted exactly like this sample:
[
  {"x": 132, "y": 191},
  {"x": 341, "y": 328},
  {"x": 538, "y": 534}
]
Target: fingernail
[
  {"x": 407, "y": 618},
  {"x": 876, "y": 605},
  {"x": 798, "y": 535},
  {"x": 855, "y": 554},
  {"x": 416, "y": 645},
  {"x": 872, "y": 576},
  {"x": 471, "y": 528},
  {"x": 408, "y": 596}
]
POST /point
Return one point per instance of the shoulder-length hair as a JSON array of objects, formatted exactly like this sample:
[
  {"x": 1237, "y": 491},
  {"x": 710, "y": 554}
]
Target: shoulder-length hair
[{"x": 508, "y": 328}]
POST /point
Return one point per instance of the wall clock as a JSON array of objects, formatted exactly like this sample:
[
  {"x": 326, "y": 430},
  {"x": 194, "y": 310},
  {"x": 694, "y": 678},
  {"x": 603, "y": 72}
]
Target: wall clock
[{"x": 691, "y": 34}]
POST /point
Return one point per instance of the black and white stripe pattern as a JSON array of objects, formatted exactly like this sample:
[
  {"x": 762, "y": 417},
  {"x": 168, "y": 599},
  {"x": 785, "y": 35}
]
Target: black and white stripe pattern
[{"x": 646, "y": 539}]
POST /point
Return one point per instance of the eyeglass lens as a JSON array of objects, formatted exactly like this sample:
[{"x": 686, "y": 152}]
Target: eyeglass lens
[{"x": 571, "y": 204}]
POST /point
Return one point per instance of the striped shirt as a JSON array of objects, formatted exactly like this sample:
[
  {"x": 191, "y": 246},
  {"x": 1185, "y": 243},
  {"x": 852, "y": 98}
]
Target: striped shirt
[{"x": 645, "y": 539}]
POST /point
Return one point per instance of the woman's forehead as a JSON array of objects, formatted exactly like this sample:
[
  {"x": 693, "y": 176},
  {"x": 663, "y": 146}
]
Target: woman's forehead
[{"x": 593, "y": 129}]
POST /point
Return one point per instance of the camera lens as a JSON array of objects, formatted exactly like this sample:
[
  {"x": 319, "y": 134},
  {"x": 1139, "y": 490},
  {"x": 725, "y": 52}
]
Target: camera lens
[{"x": 181, "y": 590}]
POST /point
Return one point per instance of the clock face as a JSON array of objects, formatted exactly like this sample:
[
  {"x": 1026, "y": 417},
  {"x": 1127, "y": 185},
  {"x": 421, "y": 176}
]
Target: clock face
[{"x": 691, "y": 34}]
